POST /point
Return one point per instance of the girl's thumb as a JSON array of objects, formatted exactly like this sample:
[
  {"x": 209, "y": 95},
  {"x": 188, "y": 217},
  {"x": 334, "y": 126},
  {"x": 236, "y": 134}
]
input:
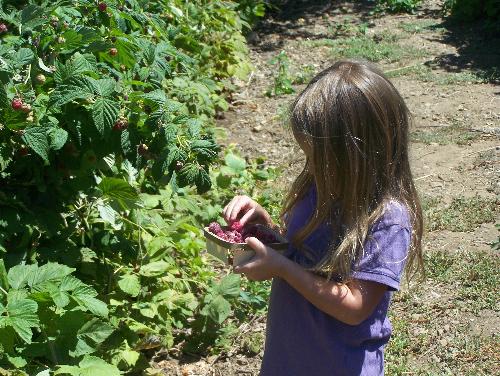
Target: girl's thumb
[{"x": 256, "y": 244}]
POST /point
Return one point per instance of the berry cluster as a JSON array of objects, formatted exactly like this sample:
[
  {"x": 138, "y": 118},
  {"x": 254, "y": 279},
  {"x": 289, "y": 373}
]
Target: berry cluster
[{"x": 237, "y": 234}]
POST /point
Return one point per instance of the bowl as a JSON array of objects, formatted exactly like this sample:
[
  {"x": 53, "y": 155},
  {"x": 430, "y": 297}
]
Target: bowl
[{"x": 239, "y": 253}]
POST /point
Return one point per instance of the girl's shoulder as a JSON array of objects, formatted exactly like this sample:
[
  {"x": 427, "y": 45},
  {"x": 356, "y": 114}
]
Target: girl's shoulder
[{"x": 395, "y": 213}]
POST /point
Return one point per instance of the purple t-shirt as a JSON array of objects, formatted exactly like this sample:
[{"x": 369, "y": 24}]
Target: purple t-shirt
[{"x": 302, "y": 340}]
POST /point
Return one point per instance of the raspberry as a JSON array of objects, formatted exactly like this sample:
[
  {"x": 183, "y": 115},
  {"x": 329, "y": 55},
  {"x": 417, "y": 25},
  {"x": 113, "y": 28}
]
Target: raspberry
[
  {"x": 17, "y": 104},
  {"x": 25, "y": 108},
  {"x": 102, "y": 7},
  {"x": 142, "y": 149},
  {"x": 236, "y": 226},
  {"x": 3, "y": 28},
  {"x": 113, "y": 51},
  {"x": 214, "y": 228},
  {"x": 40, "y": 78}
]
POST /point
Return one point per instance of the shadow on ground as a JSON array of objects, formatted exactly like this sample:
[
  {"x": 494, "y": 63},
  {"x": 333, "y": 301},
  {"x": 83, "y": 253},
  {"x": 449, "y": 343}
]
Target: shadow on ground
[{"x": 477, "y": 50}]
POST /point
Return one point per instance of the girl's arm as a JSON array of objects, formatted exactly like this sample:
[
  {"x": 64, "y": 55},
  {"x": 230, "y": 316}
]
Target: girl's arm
[{"x": 351, "y": 303}]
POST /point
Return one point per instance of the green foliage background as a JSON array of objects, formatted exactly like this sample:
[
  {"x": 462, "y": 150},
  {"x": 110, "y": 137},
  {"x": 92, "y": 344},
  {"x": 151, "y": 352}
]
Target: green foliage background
[{"x": 107, "y": 177}]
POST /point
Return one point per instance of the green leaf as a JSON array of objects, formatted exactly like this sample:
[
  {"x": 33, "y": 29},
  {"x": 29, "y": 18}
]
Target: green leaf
[
  {"x": 94, "y": 305},
  {"x": 57, "y": 138},
  {"x": 130, "y": 284},
  {"x": 229, "y": 286},
  {"x": 154, "y": 269},
  {"x": 90, "y": 366},
  {"x": 236, "y": 163},
  {"x": 4, "y": 281},
  {"x": 22, "y": 57},
  {"x": 118, "y": 189},
  {"x": 105, "y": 87},
  {"x": 95, "y": 330},
  {"x": 49, "y": 272},
  {"x": 80, "y": 88},
  {"x": 203, "y": 182},
  {"x": 105, "y": 112},
  {"x": 18, "y": 275},
  {"x": 218, "y": 309},
  {"x": 109, "y": 215},
  {"x": 36, "y": 139},
  {"x": 21, "y": 316}
]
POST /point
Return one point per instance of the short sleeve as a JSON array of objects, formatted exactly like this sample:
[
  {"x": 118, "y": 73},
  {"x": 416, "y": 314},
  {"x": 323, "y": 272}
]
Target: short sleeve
[{"x": 386, "y": 249}]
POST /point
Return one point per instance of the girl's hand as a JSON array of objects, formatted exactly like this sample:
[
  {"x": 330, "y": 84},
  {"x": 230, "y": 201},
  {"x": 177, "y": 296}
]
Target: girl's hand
[
  {"x": 249, "y": 210},
  {"x": 266, "y": 264}
]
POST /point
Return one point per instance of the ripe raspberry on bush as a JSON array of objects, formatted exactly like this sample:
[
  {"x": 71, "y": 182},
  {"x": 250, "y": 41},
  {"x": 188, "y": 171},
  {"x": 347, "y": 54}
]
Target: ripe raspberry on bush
[
  {"x": 3, "y": 28},
  {"x": 17, "y": 104},
  {"x": 102, "y": 7},
  {"x": 113, "y": 51}
]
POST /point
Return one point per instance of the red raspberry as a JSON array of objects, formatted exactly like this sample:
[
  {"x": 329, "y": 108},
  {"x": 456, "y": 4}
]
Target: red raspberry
[
  {"x": 142, "y": 149},
  {"x": 214, "y": 228},
  {"x": 17, "y": 104},
  {"x": 102, "y": 7},
  {"x": 113, "y": 51},
  {"x": 236, "y": 226},
  {"x": 3, "y": 28}
]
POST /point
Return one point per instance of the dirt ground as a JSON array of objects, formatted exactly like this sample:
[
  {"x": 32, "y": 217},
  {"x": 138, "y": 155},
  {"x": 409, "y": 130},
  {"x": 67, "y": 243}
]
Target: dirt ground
[{"x": 454, "y": 153}]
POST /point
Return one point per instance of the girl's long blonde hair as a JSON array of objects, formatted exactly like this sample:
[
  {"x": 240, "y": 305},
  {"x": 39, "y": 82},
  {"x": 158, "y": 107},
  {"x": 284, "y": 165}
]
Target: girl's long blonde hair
[{"x": 353, "y": 125}]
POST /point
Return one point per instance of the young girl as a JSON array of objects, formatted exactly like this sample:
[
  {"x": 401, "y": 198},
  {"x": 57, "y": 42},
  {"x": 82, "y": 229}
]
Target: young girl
[{"x": 353, "y": 220}]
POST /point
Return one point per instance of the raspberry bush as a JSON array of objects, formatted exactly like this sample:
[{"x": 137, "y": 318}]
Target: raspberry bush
[{"x": 106, "y": 151}]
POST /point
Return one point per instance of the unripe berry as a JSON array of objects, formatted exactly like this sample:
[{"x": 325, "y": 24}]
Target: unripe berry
[
  {"x": 17, "y": 104},
  {"x": 25, "y": 108},
  {"x": 102, "y": 7},
  {"x": 23, "y": 151},
  {"x": 142, "y": 149},
  {"x": 113, "y": 51},
  {"x": 40, "y": 78},
  {"x": 61, "y": 40},
  {"x": 3, "y": 28}
]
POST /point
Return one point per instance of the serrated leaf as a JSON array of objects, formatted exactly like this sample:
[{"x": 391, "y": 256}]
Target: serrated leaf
[
  {"x": 22, "y": 57},
  {"x": 118, "y": 189},
  {"x": 95, "y": 330},
  {"x": 229, "y": 286},
  {"x": 236, "y": 163},
  {"x": 130, "y": 284},
  {"x": 188, "y": 174},
  {"x": 94, "y": 305},
  {"x": 203, "y": 182},
  {"x": 60, "y": 298},
  {"x": 68, "y": 93},
  {"x": 48, "y": 272},
  {"x": 154, "y": 269},
  {"x": 218, "y": 309},
  {"x": 18, "y": 275},
  {"x": 105, "y": 112},
  {"x": 90, "y": 366},
  {"x": 71, "y": 283},
  {"x": 57, "y": 137},
  {"x": 105, "y": 87},
  {"x": 175, "y": 154},
  {"x": 156, "y": 96},
  {"x": 21, "y": 317},
  {"x": 36, "y": 139},
  {"x": 109, "y": 215}
]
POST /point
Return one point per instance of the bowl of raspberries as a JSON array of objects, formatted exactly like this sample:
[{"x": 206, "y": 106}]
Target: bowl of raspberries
[{"x": 227, "y": 243}]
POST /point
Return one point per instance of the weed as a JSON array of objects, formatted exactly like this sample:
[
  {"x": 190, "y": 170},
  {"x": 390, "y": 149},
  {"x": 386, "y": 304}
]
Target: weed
[
  {"x": 304, "y": 75},
  {"x": 382, "y": 47},
  {"x": 462, "y": 214},
  {"x": 253, "y": 343},
  {"x": 425, "y": 73},
  {"x": 455, "y": 133},
  {"x": 419, "y": 26},
  {"x": 282, "y": 80}
]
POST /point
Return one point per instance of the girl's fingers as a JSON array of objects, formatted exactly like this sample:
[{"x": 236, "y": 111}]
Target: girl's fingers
[
  {"x": 238, "y": 206},
  {"x": 248, "y": 215},
  {"x": 229, "y": 207}
]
